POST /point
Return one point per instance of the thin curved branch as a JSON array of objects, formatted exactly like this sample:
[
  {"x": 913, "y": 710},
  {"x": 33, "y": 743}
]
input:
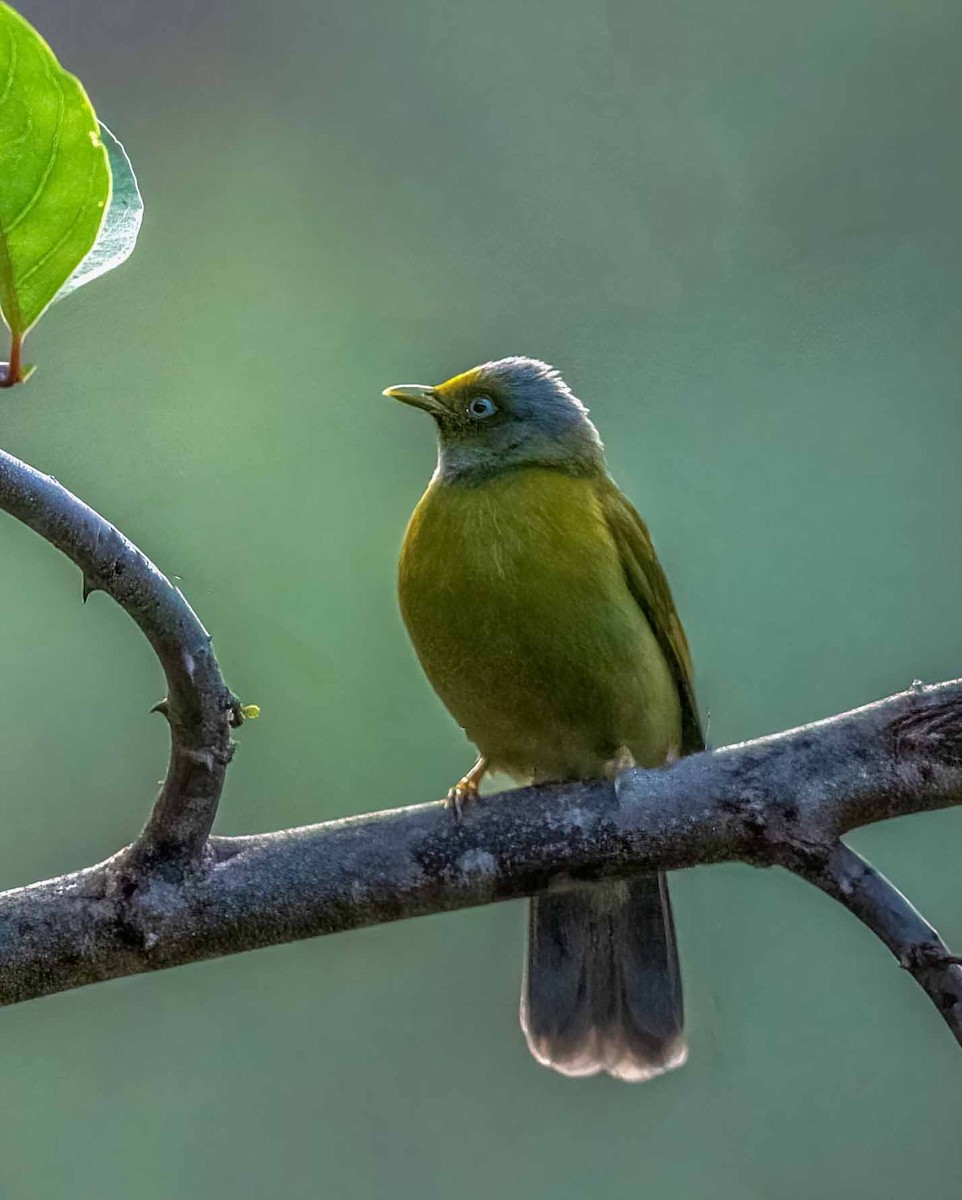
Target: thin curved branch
[
  {"x": 199, "y": 707},
  {"x": 784, "y": 800},
  {"x": 848, "y": 878}
]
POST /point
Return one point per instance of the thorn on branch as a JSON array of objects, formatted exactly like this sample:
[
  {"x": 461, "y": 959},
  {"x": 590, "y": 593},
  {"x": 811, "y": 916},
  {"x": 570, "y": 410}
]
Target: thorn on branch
[{"x": 162, "y": 707}]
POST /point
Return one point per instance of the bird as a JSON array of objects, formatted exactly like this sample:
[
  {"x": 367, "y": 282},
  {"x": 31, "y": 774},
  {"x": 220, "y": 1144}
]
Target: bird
[{"x": 536, "y": 605}]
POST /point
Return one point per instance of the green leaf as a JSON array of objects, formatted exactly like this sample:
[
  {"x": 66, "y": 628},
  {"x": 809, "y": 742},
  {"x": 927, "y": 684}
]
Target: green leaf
[
  {"x": 118, "y": 234},
  {"x": 54, "y": 176}
]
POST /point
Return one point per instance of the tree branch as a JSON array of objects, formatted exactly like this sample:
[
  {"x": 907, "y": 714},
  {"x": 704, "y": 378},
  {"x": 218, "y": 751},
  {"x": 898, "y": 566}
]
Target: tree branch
[
  {"x": 199, "y": 707},
  {"x": 779, "y": 800},
  {"x": 848, "y": 878},
  {"x": 177, "y": 896}
]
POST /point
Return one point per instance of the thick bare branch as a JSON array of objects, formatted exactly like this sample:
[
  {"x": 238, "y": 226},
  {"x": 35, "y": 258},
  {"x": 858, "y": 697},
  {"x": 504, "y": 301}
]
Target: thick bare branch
[
  {"x": 178, "y": 896},
  {"x": 783, "y": 800},
  {"x": 199, "y": 707}
]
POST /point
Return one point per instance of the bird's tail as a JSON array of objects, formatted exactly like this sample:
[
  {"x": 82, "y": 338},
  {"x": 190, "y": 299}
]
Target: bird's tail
[{"x": 602, "y": 986}]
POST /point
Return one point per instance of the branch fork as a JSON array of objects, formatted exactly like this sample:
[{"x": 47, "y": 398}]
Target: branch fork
[{"x": 179, "y": 895}]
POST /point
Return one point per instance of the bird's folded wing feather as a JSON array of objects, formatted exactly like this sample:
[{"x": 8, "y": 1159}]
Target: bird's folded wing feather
[{"x": 648, "y": 585}]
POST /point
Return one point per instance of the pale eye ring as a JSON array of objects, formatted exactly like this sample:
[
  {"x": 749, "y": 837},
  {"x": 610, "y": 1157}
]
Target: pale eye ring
[{"x": 481, "y": 407}]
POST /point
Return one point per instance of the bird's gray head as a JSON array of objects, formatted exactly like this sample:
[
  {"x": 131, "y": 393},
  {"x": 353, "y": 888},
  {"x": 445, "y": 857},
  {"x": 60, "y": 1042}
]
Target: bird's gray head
[{"x": 510, "y": 413}]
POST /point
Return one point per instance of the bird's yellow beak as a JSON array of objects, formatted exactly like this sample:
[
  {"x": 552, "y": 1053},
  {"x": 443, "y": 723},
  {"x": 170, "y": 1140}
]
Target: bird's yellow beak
[{"x": 416, "y": 394}]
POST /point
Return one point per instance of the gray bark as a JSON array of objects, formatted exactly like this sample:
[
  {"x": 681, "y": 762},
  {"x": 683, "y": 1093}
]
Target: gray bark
[
  {"x": 198, "y": 706},
  {"x": 177, "y": 895}
]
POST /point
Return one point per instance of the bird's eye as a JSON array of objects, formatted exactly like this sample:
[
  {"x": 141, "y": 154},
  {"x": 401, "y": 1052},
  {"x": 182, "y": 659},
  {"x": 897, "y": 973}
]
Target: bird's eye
[{"x": 481, "y": 407}]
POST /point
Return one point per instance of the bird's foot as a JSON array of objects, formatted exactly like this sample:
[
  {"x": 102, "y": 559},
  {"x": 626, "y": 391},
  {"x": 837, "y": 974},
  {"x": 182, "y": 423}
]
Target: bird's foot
[
  {"x": 624, "y": 760},
  {"x": 465, "y": 791}
]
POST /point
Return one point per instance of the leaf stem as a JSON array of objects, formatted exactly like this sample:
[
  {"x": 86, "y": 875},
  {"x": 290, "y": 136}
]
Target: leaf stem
[{"x": 14, "y": 372}]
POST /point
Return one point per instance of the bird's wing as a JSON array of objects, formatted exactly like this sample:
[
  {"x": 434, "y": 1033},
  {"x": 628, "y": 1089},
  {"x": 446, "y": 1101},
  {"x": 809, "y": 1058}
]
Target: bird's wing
[{"x": 648, "y": 585}]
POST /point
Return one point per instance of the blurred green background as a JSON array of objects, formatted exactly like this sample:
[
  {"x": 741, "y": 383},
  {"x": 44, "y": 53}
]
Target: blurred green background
[{"x": 735, "y": 227}]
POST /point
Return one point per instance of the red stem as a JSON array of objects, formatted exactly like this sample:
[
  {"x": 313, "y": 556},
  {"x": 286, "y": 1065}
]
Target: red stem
[{"x": 13, "y": 374}]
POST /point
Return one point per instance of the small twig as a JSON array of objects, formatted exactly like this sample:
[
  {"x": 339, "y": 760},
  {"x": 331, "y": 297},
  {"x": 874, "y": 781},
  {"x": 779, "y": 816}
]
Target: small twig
[
  {"x": 199, "y": 707},
  {"x": 850, "y": 880}
]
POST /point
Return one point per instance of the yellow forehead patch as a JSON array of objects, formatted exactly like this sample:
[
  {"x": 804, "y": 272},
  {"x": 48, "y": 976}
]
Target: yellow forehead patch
[{"x": 457, "y": 385}]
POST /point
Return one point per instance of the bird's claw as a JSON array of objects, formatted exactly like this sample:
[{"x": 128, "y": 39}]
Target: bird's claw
[
  {"x": 464, "y": 792},
  {"x": 466, "y": 789}
]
